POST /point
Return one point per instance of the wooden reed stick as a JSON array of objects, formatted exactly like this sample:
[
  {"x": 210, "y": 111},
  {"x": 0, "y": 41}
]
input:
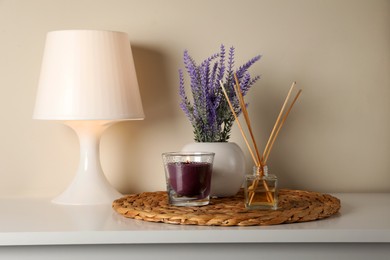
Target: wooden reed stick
[
  {"x": 278, "y": 125},
  {"x": 248, "y": 122},
  {"x": 275, "y": 131},
  {"x": 245, "y": 112},
  {"x": 278, "y": 120},
  {"x": 265, "y": 157},
  {"x": 239, "y": 124}
]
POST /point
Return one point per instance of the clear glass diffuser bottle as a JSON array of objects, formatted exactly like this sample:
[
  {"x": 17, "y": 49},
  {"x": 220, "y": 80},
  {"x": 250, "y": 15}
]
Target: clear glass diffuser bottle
[{"x": 260, "y": 189}]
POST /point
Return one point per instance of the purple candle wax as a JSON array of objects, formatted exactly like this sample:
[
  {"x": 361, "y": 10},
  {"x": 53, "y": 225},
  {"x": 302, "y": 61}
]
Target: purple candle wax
[{"x": 190, "y": 178}]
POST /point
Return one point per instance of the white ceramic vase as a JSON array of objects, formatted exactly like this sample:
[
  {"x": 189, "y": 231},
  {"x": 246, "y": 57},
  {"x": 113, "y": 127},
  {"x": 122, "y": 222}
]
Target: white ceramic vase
[{"x": 228, "y": 168}]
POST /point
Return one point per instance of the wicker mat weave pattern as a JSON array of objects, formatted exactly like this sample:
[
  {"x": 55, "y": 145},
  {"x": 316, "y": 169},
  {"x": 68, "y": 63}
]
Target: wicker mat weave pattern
[{"x": 294, "y": 206}]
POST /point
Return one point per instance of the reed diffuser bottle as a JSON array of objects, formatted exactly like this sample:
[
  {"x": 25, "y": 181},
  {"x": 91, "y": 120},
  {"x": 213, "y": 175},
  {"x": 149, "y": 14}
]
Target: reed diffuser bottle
[{"x": 260, "y": 189}]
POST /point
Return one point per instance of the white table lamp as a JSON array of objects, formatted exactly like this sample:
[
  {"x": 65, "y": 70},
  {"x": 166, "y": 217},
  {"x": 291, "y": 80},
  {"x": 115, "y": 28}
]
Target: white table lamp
[{"x": 88, "y": 81}]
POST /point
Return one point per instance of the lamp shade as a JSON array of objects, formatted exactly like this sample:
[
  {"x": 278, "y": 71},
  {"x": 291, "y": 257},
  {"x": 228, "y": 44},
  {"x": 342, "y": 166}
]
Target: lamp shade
[{"x": 88, "y": 75}]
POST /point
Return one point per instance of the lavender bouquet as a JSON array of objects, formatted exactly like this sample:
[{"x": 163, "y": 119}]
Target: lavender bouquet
[{"x": 209, "y": 112}]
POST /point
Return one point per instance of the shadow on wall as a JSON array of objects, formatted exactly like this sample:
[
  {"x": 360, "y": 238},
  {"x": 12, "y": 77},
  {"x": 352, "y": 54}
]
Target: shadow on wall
[
  {"x": 153, "y": 81},
  {"x": 129, "y": 136}
]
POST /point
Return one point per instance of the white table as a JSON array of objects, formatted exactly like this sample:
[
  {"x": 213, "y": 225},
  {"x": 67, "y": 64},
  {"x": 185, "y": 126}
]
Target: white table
[{"x": 38, "y": 229}]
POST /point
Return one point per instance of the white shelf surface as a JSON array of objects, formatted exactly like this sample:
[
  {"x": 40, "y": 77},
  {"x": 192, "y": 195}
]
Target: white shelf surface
[{"x": 364, "y": 218}]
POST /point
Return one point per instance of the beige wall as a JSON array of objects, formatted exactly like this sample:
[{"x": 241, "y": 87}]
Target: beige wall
[{"x": 336, "y": 140}]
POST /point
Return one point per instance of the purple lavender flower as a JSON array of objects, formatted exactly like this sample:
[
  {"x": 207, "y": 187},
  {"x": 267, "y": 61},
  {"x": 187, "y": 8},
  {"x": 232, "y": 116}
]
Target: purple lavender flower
[{"x": 209, "y": 112}]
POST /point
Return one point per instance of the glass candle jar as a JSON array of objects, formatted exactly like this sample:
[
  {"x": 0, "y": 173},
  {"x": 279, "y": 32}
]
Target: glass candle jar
[
  {"x": 260, "y": 189},
  {"x": 188, "y": 177}
]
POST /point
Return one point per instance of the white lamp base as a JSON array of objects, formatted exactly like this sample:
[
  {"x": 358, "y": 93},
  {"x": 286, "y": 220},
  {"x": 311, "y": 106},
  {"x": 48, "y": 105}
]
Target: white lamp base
[{"x": 89, "y": 186}]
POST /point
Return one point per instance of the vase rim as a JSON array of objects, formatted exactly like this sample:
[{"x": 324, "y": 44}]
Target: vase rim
[{"x": 214, "y": 142}]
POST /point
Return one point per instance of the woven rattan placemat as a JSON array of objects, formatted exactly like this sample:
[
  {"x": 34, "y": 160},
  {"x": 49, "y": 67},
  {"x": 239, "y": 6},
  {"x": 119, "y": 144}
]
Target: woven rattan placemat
[{"x": 294, "y": 206}]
